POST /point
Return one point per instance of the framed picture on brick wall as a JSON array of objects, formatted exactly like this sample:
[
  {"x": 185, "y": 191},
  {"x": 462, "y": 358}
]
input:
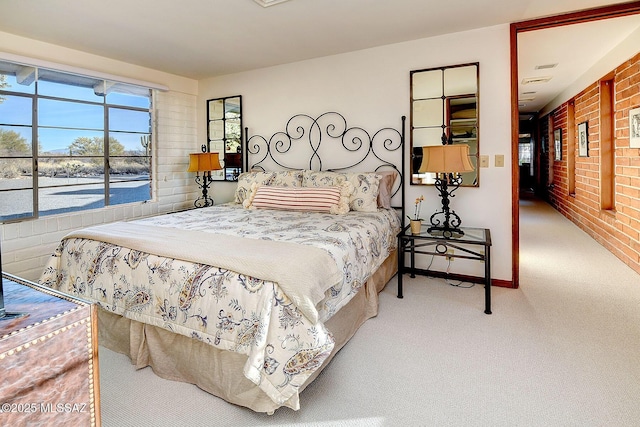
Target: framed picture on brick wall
[
  {"x": 557, "y": 144},
  {"x": 583, "y": 140},
  {"x": 634, "y": 128}
]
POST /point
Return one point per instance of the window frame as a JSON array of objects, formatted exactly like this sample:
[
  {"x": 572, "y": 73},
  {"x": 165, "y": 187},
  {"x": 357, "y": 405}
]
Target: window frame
[{"x": 106, "y": 133}]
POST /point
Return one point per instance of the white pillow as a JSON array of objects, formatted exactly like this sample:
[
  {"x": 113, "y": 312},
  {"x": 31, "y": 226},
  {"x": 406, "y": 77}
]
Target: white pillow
[
  {"x": 281, "y": 178},
  {"x": 246, "y": 181},
  {"x": 287, "y": 178},
  {"x": 364, "y": 197}
]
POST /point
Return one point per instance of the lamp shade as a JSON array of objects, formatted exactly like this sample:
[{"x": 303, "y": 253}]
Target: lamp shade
[
  {"x": 202, "y": 162},
  {"x": 446, "y": 159}
]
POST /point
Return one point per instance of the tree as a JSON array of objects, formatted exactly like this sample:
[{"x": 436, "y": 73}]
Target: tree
[
  {"x": 85, "y": 146},
  {"x": 13, "y": 144}
]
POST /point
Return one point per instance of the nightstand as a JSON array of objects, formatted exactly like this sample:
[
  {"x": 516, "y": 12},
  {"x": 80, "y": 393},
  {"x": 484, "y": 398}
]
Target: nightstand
[{"x": 474, "y": 244}]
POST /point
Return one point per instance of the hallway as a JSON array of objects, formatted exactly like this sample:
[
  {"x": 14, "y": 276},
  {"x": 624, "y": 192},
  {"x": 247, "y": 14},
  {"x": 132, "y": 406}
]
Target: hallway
[
  {"x": 587, "y": 293},
  {"x": 552, "y": 248}
]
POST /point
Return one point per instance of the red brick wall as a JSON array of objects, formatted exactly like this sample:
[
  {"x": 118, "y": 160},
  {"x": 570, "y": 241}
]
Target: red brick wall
[{"x": 619, "y": 229}]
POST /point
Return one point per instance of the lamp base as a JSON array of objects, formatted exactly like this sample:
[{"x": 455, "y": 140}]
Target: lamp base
[
  {"x": 204, "y": 183},
  {"x": 203, "y": 202},
  {"x": 446, "y": 222},
  {"x": 446, "y": 232}
]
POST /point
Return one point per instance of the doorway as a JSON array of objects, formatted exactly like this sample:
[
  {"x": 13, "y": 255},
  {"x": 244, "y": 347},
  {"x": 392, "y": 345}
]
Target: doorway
[{"x": 589, "y": 15}]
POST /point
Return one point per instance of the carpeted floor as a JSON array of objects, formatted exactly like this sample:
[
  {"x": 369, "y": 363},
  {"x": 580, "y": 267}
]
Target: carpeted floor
[{"x": 562, "y": 350}]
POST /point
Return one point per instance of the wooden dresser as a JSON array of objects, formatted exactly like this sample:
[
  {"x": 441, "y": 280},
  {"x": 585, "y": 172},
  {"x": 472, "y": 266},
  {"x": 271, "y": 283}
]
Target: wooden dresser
[{"x": 48, "y": 358}]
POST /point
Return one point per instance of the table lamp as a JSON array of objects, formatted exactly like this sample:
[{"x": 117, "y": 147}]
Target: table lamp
[
  {"x": 447, "y": 162},
  {"x": 204, "y": 162}
]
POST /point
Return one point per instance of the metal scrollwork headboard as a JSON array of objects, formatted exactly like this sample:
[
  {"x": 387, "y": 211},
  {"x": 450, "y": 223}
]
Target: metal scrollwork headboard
[{"x": 326, "y": 143}]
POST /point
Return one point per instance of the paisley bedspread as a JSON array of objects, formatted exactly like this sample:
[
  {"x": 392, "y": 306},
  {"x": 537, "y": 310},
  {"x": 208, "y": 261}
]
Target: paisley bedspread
[{"x": 230, "y": 309}]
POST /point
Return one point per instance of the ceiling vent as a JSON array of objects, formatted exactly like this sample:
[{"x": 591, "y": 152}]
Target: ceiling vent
[
  {"x": 532, "y": 80},
  {"x": 267, "y": 3},
  {"x": 546, "y": 66}
]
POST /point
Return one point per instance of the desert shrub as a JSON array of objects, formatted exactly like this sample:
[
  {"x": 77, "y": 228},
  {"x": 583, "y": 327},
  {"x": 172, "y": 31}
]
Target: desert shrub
[
  {"x": 70, "y": 168},
  {"x": 15, "y": 168}
]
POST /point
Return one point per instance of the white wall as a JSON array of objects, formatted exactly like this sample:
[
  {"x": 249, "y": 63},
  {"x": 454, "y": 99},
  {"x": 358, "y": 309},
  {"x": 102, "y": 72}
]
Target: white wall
[
  {"x": 371, "y": 89},
  {"x": 26, "y": 245}
]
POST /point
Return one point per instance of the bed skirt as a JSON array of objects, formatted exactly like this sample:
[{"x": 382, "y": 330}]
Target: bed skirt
[{"x": 180, "y": 358}]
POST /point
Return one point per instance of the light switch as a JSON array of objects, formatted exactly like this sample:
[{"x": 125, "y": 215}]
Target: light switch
[
  {"x": 484, "y": 161},
  {"x": 499, "y": 160}
]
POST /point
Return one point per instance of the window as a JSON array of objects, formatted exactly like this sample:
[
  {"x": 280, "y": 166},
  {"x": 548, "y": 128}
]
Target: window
[
  {"x": 70, "y": 142},
  {"x": 524, "y": 153}
]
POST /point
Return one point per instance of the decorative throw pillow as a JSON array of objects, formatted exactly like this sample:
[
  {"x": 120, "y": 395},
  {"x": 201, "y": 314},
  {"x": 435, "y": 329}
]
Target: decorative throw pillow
[
  {"x": 322, "y": 179},
  {"x": 281, "y": 178},
  {"x": 247, "y": 179},
  {"x": 385, "y": 189},
  {"x": 334, "y": 199},
  {"x": 287, "y": 178},
  {"x": 364, "y": 197}
]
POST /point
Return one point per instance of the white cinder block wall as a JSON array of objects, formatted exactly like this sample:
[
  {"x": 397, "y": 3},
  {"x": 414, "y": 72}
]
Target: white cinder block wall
[{"x": 176, "y": 138}]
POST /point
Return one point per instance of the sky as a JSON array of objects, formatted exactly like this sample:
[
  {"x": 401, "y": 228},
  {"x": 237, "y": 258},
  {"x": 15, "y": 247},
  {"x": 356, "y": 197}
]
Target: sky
[{"x": 85, "y": 120}]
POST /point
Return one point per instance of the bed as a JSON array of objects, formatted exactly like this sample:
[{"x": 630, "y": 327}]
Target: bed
[{"x": 250, "y": 300}]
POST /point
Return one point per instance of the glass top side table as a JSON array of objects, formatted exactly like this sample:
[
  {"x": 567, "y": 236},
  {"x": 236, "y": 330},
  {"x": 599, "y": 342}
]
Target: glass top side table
[{"x": 473, "y": 243}]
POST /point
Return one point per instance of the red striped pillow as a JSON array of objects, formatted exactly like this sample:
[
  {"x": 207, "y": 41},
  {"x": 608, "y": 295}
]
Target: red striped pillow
[{"x": 313, "y": 199}]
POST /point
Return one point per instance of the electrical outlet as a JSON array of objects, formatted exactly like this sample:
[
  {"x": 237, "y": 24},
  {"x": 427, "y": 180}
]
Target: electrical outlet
[
  {"x": 499, "y": 161},
  {"x": 450, "y": 254},
  {"x": 484, "y": 161}
]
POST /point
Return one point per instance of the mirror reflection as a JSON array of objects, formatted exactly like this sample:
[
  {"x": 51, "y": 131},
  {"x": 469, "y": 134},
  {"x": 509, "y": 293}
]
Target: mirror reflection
[
  {"x": 444, "y": 110},
  {"x": 224, "y": 135}
]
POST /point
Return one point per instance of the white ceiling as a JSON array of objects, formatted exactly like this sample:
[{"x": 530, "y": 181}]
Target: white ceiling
[
  {"x": 574, "y": 49},
  {"x": 206, "y": 38}
]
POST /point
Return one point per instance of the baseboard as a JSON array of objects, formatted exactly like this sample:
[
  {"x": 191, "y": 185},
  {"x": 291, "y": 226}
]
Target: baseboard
[{"x": 502, "y": 283}]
